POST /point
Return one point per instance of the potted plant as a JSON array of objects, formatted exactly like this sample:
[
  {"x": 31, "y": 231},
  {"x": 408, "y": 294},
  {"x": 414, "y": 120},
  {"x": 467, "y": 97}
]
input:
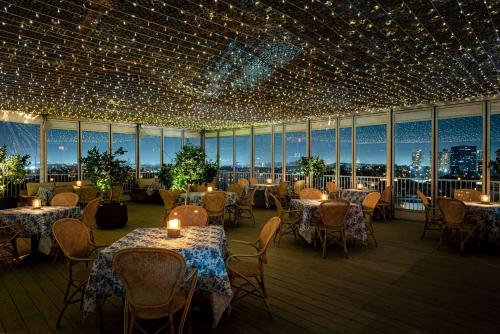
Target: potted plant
[
  {"x": 107, "y": 171},
  {"x": 165, "y": 176},
  {"x": 312, "y": 167},
  {"x": 12, "y": 172}
]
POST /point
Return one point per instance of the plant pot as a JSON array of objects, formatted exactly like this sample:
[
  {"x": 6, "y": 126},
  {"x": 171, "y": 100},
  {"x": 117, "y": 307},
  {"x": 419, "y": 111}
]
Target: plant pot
[
  {"x": 8, "y": 202},
  {"x": 112, "y": 215}
]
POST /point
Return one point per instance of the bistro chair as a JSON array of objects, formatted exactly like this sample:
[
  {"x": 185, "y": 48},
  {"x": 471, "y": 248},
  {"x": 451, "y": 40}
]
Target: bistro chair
[
  {"x": 202, "y": 188},
  {"x": 245, "y": 210},
  {"x": 254, "y": 180},
  {"x": 89, "y": 216},
  {"x": 249, "y": 267},
  {"x": 215, "y": 204},
  {"x": 384, "y": 204},
  {"x": 369, "y": 205},
  {"x": 65, "y": 199},
  {"x": 433, "y": 219},
  {"x": 290, "y": 220},
  {"x": 310, "y": 193},
  {"x": 154, "y": 282},
  {"x": 244, "y": 183},
  {"x": 297, "y": 187},
  {"x": 8, "y": 243},
  {"x": 87, "y": 193},
  {"x": 283, "y": 193},
  {"x": 333, "y": 190},
  {"x": 333, "y": 217},
  {"x": 238, "y": 190},
  {"x": 73, "y": 239},
  {"x": 454, "y": 214},
  {"x": 189, "y": 215},
  {"x": 467, "y": 195},
  {"x": 170, "y": 199}
]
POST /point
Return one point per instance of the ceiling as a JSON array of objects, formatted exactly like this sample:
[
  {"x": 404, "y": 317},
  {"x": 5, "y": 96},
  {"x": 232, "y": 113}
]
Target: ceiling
[{"x": 214, "y": 64}]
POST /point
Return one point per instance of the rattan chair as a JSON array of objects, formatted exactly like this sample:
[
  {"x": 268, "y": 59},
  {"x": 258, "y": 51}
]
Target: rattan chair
[
  {"x": 245, "y": 210},
  {"x": 215, "y": 204},
  {"x": 87, "y": 193},
  {"x": 254, "y": 180},
  {"x": 8, "y": 243},
  {"x": 467, "y": 195},
  {"x": 310, "y": 193},
  {"x": 73, "y": 239},
  {"x": 297, "y": 187},
  {"x": 283, "y": 193},
  {"x": 249, "y": 268},
  {"x": 333, "y": 213},
  {"x": 202, "y": 188},
  {"x": 433, "y": 219},
  {"x": 189, "y": 215},
  {"x": 454, "y": 213},
  {"x": 170, "y": 199},
  {"x": 384, "y": 204},
  {"x": 369, "y": 205},
  {"x": 333, "y": 190},
  {"x": 153, "y": 279},
  {"x": 238, "y": 190},
  {"x": 290, "y": 220},
  {"x": 89, "y": 216},
  {"x": 65, "y": 199},
  {"x": 244, "y": 183}
]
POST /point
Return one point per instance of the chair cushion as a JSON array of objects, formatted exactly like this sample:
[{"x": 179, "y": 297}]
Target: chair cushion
[
  {"x": 178, "y": 301},
  {"x": 247, "y": 268},
  {"x": 63, "y": 189}
]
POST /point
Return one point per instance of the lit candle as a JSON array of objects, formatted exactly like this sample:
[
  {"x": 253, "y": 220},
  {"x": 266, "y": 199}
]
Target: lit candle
[
  {"x": 37, "y": 203},
  {"x": 324, "y": 197},
  {"x": 269, "y": 181},
  {"x": 360, "y": 186},
  {"x": 210, "y": 188},
  {"x": 372, "y": 185},
  {"x": 78, "y": 183},
  {"x": 173, "y": 228},
  {"x": 51, "y": 179},
  {"x": 485, "y": 198}
]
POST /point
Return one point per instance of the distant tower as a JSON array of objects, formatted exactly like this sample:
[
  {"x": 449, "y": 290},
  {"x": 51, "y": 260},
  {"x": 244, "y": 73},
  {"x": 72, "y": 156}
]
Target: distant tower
[
  {"x": 444, "y": 161},
  {"x": 463, "y": 159},
  {"x": 479, "y": 158},
  {"x": 417, "y": 157}
]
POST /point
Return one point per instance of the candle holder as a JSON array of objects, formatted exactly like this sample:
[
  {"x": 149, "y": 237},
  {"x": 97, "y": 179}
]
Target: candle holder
[
  {"x": 36, "y": 204},
  {"x": 78, "y": 183},
  {"x": 359, "y": 186},
  {"x": 269, "y": 181},
  {"x": 324, "y": 197},
  {"x": 210, "y": 188},
  {"x": 485, "y": 199},
  {"x": 173, "y": 228}
]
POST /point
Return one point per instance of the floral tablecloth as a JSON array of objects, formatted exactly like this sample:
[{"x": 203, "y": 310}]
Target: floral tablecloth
[
  {"x": 202, "y": 247},
  {"x": 488, "y": 215},
  {"x": 355, "y": 195},
  {"x": 38, "y": 222},
  {"x": 266, "y": 188},
  {"x": 355, "y": 226},
  {"x": 196, "y": 198}
]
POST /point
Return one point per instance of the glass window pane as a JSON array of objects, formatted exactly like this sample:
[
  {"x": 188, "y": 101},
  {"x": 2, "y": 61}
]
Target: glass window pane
[
  {"x": 127, "y": 142},
  {"x": 295, "y": 146},
  {"x": 345, "y": 147},
  {"x": 22, "y": 139},
  {"x": 371, "y": 149},
  {"x": 495, "y": 154},
  {"x": 172, "y": 143},
  {"x": 226, "y": 151},
  {"x": 243, "y": 150},
  {"x": 211, "y": 146},
  {"x": 263, "y": 151},
  {"x": 278, "y": 152},
  {"x": 323, "y": 146},
  {"x": 150, "y": 154},
  {"x": 91, "y": 139},
  {"x": 192, "y": 138},
  {"x": 62, "y": 154}
]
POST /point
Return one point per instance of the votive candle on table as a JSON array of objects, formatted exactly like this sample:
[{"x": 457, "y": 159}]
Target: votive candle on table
[
  {"x": 210, "y": 188},
  {"x": 269, "y": 181},
  {"x": 37, "y": 203},
  {"x": 324, "y": 197},
  {"x": 78, "y": 183},
  {"x": 173, "y": 228},
  {"x": 360, "y": 186},
  {"x": 485, "y": 198}
]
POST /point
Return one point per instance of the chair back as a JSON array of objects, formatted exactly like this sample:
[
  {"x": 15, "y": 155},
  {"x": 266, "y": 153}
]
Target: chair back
[
  {"x": 169, "y": 198},
  {"x": 334, "y": 211},
  {"x": 243, "y": 182},
  {"x": 73, "y": 237},
  {"x": 467, "y": 195},
  {"x": 424, "y": 199},
  {"x": 202, "y": 188},
  {"x": 116, "y": 193},
  {"x": 387, "y": 194},
  {"x": 189, "y": 215},
  {"x": 331, "y": 187},
  {"x": 254, "y": 180},
  {"x": 65, "y": 199},
  {"x": 236, "y": 188},
  {"x": 90, "y": 211},
  {"x": 251, "y": 198},
  {"x": 298, "y": 186},
  {"x": 280, "y": 212},
  {"x": 310, "y": 193},
  {"x": 266, "y": 235},
  {"x": 215, "y": 202},
  {"x": 88, "y": 193},
  {"x": 453, "y": 210},
  {"x": 151, "y": 276},
  {"x": 370, "y": 201},
  {"x": 211, "y": 185},
  {"x": 283, "y": 189}
]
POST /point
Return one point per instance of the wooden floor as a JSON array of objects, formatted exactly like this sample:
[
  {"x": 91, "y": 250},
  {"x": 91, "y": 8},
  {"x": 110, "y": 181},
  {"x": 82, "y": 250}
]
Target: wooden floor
[{"x": 403, "y": 286}]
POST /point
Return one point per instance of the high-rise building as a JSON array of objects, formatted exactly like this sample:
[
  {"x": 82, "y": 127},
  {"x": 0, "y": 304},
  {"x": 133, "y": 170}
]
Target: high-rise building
[
  {"x": 463, "y": 160},
  {"x": 416, "y": 168},
  {"x": 479, "y": 167},
  {"x": 444, "y": 162}
]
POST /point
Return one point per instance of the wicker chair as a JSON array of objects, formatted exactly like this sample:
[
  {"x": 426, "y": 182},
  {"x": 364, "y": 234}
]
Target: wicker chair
[
  {"x": 8, "y": 245},
  {"x": 254, "y": 180},
  {"x": 283, "y": 193},
  {"x": 244, "y": 183},
  {"x": 433, "y": 219},
  {"x": 289, "y": 220},
  {"x": 189, "y": 215},
  {"x": 333, "y": 190},
  {"x": 170, "y": 199},
  {"x": 467, "y": 195},
  {"x": 384, "y": 204},
  {"x": 202, "y": 188},
  {"x": 333, "y": 213},
  {"x": 65, "y": 199},
  {"x": 215, "y": 204},
  {"x": 369, "y": 205},
  {"x": 245, "y": 210},
  {"x": 89, "y": 214},
  {"x": 159, "y": 296},
  {"x": 73, "y": 239},
  {"x": 297, "y": 187},
  {"x": 238, "y": 190},
  {"x": 310, "y": 193},
  {"x": 250, "y": 267},
  {"x": 454, "y": 212},
  {"x": 87, "y": 193}
]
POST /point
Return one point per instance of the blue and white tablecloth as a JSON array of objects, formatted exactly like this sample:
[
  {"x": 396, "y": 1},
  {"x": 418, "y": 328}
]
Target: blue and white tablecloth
[
  {"x": 355, "y": 195},
  {"x": 38, "y": 222},
  {"x": 266, "y": 188},
  {"x": 355, "y": 226},
  {"x": 196, "y": 198},
  {"x": 202, "y": 247},
  {"x": 487, "y": 215}
]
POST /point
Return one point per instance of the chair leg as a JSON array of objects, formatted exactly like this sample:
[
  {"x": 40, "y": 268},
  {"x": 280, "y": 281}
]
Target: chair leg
[
  {"x": 344, "y": 242},
  {"x": 441, "y": 238},
  {"x": 423, "y": 233},
  {"x": 131, "y": 324},
  {"x": 66, "y": 304},
  {"x": 68, "y": 287},
  {"x": 324, "y": 244},
  {"x": 171, "y": 323}
]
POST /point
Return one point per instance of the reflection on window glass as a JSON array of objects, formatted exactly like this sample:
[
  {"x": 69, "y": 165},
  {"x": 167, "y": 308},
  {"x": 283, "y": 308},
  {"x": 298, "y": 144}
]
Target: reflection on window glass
[
  {"x": 211, "y": 148},
  {"x": 22, "y": 139},
  {"x": 495, "y": 151},
  {"x": 243, "y": 151},
  {"x": 171, "y": 145},
  {"x": 150, "y": 154},
  {"x": 295, "y": 149},
  {"x": 91, "y": 139},
  {"x": 278, "y": 152},
  {"x": 263, "y": 152},
  {"x": 345, "y": 151},
  {"x": 127, "y": 142},
  {"x": 412, "y": 150},
  {"x": 62, "y": 151},
  {"x": 323, "y": 146},
  {"x": 192, "y": 139},
  {"x": 371, "y": 150},
  {"x": 226, "y": 153}
]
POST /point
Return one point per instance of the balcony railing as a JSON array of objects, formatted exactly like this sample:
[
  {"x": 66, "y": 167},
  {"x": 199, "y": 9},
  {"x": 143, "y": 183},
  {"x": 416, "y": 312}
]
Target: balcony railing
[{"x": 495, "y": 191}]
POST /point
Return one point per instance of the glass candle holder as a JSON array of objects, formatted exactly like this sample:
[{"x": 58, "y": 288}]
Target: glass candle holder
[
  {"x": 359, "y": 186},
  {"x": 37, "y": 203},
  {"x": 173, "y": 228},
  {"x": 485, "y": 198}
]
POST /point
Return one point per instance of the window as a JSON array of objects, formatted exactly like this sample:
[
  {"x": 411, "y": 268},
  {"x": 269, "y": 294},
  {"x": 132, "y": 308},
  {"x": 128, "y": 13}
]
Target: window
[
  {"x": 262, "y": 152},
  {"x": 371, "y": 146},
  {"x": 295, "y": 146},
  {"x": 211, "y": 146},
  {"x": 495, "y": 151},
  {"x": 243, "y": 150},
  {"x": 124, "y": 136},
  {"x": 172, "y": 143},
  {"x": 323, "y": 140},
  {"x": 192, "y": 138},
  {"x": 150, "y": 153},
  {"x": 226, "y": 150},
  {"x": 345, "y": 152},
  {"x": 94, "y": 135},
  {"x": 22, "y": 139},
  {"x": 278, "y": 152},
  {"x": 460, "y": 149},
  {"x": 62, "y": 151}
]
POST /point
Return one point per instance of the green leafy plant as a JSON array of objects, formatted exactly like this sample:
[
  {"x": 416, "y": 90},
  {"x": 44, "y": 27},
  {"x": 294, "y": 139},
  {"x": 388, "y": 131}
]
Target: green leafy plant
[
  {"x": 190, "y": 167},
  {"x": 12, "y": 169},
  {"x": 106, "y": 170},
  {"x": 312, "y": 166}
]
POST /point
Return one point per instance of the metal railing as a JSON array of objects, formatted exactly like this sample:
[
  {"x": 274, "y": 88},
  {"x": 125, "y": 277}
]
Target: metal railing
[
  {"x": 405, "y": 193},
  {"x": 446, "y": 187},
  {"x": 495, "y": 191},
  {"x": 62, "y": 177}
]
